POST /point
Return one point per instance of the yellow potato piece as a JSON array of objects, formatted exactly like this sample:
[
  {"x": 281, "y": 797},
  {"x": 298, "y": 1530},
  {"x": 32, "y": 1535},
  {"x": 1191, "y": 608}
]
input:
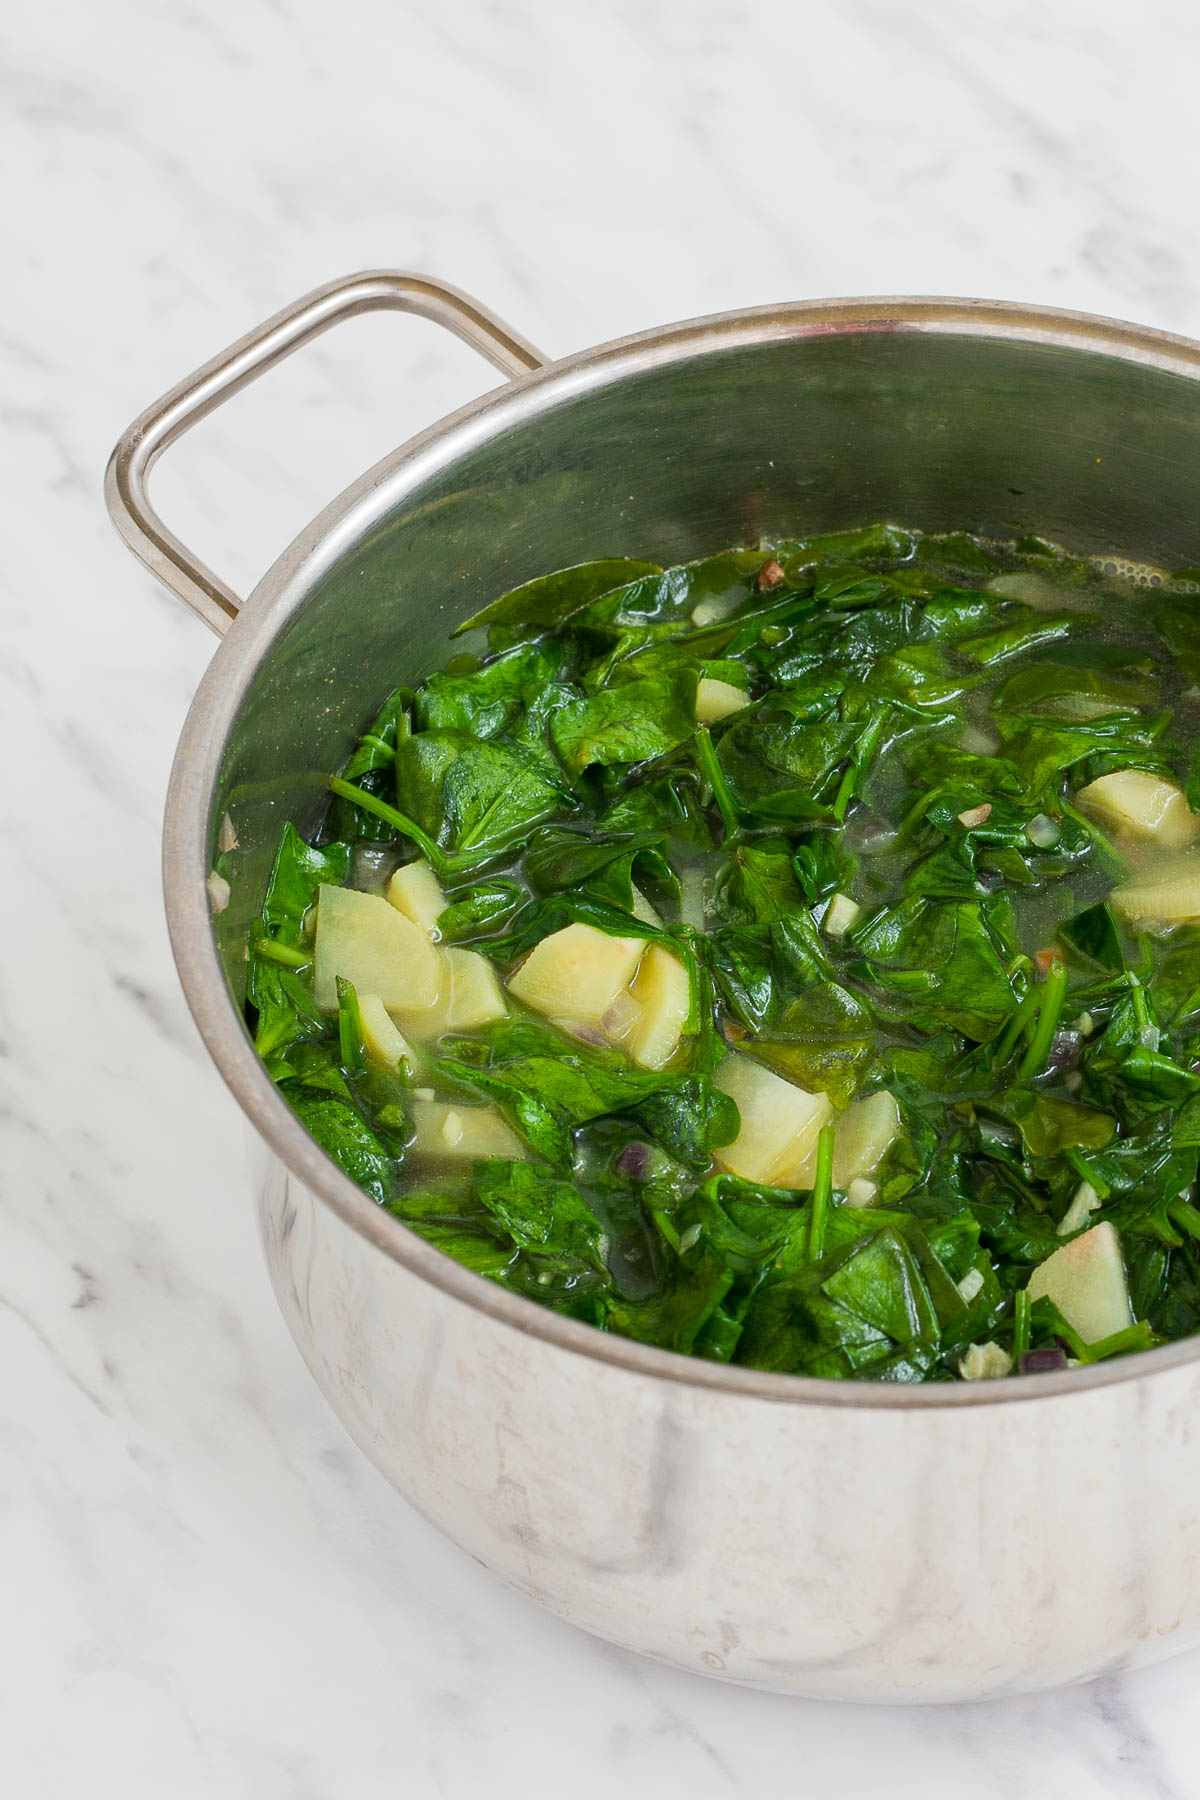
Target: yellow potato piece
[
  {"x": 717, "y": 699},
  {"x": 663, "y": 992},
  {"x": 862, "y": 1137},
  {"x": 368, "y": 943},
  {"x": 576, "y": 973},
  {"x": 384, "y": 1044},
  {"x": 1145, "y": 806},
  {"x": 777, "y": 1142},
  {"x": 416, "y": 891},
  {"x": 1170, "y": 895},
  {"x": 468, "y": 999},
  {"x": 448, "y": 1132},
  {"x": 1086, "y": 1281}
]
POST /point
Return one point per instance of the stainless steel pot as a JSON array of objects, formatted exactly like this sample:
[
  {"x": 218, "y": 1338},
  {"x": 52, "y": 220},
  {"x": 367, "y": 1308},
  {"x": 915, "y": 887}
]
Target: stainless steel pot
[{"x": 848, "y": 1540}]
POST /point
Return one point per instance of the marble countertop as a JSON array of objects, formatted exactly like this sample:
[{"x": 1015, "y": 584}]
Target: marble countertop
[{"x": 207, "y": 1590}]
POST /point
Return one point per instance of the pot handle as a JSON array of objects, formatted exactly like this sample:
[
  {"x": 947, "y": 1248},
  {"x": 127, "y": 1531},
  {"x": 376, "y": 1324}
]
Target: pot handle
[{"x": 202, "y": 392}]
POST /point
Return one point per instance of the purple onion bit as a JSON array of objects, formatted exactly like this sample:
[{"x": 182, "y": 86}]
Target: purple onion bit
[
  {"x": 634, "y": 1162},
  {"x": 1064, "y": 1051},
  {"x": 1047, "y": 1359}
]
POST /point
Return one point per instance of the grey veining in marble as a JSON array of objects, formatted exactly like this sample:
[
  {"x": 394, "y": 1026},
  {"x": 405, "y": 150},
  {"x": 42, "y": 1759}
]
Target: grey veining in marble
[{"x": 207, "y": 1590}]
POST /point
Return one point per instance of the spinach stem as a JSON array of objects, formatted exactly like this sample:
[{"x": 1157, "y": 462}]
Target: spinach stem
[
  {"x": 1022, "y": 1306},
  {"x": 349, "y": 1023},
  {"x": 1087, "y": 1171},
  {"x": 274, "y": 951},
  {"x": 1132, "y": 1337},
  {"x": 1182, "y": 1213},
  {"x": 914, "y": 816},
  {"x": 666, "y": 1228},
  {"x": 1054, "y": 992},
  {"x": 1021, "y": 1014},
  {"x": 1147, "y": 1029},
  {"x": 866, "y": 749},
  {"x": 715, "y": 776},
  {"x": 371, "y": 803},
  {"x": 821, "y": 1195}
]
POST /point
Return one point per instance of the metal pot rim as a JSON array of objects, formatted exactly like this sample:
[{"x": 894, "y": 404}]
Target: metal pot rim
[{"x": 281, "y": 594}]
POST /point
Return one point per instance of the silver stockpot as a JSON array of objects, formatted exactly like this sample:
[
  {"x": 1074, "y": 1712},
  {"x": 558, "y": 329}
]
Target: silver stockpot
[{"x": 844, "y": 1539}]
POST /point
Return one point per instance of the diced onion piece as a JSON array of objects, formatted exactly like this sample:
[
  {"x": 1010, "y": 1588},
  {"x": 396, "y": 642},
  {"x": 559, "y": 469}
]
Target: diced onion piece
[
  {"x": 1169, "y": 896},
  {"x": 469, "y": 997},
  {"x": 461, "y": 1133},
  {"x": 780, "y": 1123},
  {"x": 623, "y": 1014},
  {"x": 1086, "y": 1281},
  {"x": 576, "y": 973},
  {"x": 717, "y": 699},
  {"x": 384, "y": 1044},
  {"x": 862, "y": 1192},
  {"x": 663, "y": 996},
  {"x": 1042, "y": 832},
  {"x": 971, "y": 1285},
  {"x": 1080, "y": 706},
  {"x": 416, "y": 891},
  {"x": 585, "y": 1031},
  {"x": 862, "y": 1137},
  {"x": 712, "y": 611},
  {"x": 976, "y": 742},
  {"x": 985, "y": 1362},
  {"x": 452, "y": 1128},
  {"x": 219, "y": 891},
  {"x": 840, "y": 915},
  {"x": 1143, "y": 805},
  {"x": 376, "y": 948},
  {"x": 1083, "y": 1205}
]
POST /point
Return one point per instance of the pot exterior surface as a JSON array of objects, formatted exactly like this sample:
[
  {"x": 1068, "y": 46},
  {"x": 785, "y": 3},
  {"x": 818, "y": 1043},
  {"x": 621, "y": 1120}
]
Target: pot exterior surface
[{"x": 877, "y": 1545}]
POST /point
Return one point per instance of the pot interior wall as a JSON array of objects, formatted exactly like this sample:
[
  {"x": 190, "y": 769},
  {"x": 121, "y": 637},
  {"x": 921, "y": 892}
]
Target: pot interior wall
[{"x": 691, "y": 453}]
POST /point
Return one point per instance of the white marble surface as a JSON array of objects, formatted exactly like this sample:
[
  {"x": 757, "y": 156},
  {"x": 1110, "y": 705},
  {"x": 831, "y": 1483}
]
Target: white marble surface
[{"x": 206, "y": 1591}]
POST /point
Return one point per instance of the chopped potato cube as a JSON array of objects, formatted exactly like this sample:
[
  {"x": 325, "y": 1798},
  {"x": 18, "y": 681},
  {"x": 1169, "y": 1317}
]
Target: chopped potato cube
[
  {"x": 416, "y": 891},
  {"x": 384, "y": 1044},
  {"x": 717, "y": 699},
  {"x": 1086, "y": 1281},
  {"x": 1143, "y": 805},
  {"x": 469, "y": 998},
  {"x": 1168, "y": 896},
  {"x": 862, "y": 1137},
  {"x": 840, "y": 915},
  {"x": 576, "y": 973},
  {"x": 777, "y": 1141},
  {"x": 368, "y": 943},
  {"x": 663, "y": 993},
  {"x": 461, "y": 1133}
]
